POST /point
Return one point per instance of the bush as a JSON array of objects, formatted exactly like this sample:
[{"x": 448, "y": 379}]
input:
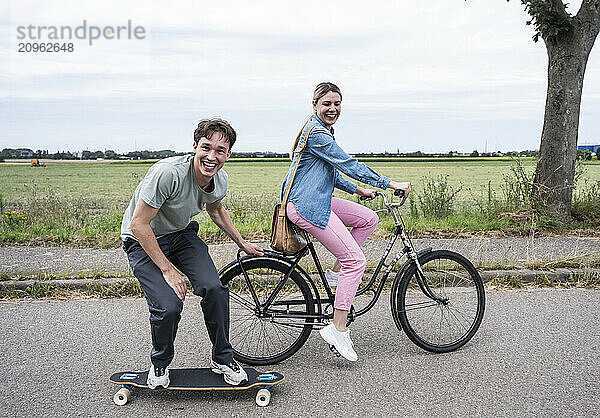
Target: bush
[
  {"x": 51, "y": 217},
  {"x": 584, "y": 154},
  {"x": 437, "y": 198},
  {"x": 13, "y": 217},
  {"x": 586, "y": 202},
  {"x": 517, "y": 188}
]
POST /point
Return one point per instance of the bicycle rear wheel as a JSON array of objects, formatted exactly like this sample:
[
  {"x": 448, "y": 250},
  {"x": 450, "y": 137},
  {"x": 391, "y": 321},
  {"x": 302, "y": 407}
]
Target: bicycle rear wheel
[
  {"x": 260, "y": 335},
  {"x": 449, "y": 322}
]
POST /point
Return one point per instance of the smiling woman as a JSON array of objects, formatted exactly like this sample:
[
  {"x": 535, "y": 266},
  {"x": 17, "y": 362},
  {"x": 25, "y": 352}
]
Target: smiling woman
[{"x": 317, "y": 161}]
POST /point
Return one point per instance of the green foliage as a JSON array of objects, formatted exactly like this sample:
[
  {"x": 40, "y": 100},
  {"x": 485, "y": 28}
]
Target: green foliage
[
  {"x": 517, "y": 187},
  {"x": 549, "y": 23},
  {"x": 506, "y": 282},
  {"x": 584, "y": 154},
  {"x": 437, "y": 197},
  {"x": 129, "y": 288},
  {"x": 13, "y": 217},
  {"x": 414, "y": 212},
  {"x": 40, "y": 290},
  {"x": 586, "y": 202},
  {"x": 48, "y": 216},
  {"x": 82, "y": 204}
]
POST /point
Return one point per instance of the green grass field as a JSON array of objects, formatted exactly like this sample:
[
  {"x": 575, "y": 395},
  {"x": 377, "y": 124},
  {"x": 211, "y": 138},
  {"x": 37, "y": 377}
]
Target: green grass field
[
  {"x": 81, "y": 203},
  {"x": 113, "y": 183}
]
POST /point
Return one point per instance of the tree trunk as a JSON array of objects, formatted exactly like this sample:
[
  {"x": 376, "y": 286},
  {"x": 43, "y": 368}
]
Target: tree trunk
[
  {"x": 568, "y": 52},
  {"x": 555, "y": 171}
]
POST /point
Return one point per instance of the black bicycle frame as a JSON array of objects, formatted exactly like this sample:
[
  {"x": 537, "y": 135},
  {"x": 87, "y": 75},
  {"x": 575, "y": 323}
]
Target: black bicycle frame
[{"x": 293, "y": 262}]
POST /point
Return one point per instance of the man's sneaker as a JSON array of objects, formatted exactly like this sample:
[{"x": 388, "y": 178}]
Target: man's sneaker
[
  {"x": 158, "y": 376},
  {"x": 340, "y": 341},
  {"x": 232, "y": 372},
  {"x": 332, "y": 277}
]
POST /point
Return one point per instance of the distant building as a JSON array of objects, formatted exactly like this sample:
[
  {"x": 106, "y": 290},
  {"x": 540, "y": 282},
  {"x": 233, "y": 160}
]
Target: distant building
[{"x": 592, "y": 148}]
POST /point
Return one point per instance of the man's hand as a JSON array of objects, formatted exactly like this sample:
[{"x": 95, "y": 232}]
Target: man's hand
[
  {"x": 177, "y": 282},
  {"x": 251, "y": 249},
  {"x": 221, "y": 218},
  {"x": 369, "y": 194},
  {"x": 140, "y": 226}
]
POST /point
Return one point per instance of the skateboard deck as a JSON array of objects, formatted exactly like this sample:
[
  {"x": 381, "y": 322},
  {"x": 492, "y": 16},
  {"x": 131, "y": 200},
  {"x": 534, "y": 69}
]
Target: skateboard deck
[{"x": 197, "y": 379}]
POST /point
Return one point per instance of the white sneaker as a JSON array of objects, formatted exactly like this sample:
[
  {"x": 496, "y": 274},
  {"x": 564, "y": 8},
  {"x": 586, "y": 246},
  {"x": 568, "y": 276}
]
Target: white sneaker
[
  {"x": 340, "y": 340},
  {"x": 332, "y": 277},
  {"x": 158, "y": 377},
  {"x": 233, "y": 373}
]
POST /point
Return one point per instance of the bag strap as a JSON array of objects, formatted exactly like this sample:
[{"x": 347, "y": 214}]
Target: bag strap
[{"x": 291, "y": 180}]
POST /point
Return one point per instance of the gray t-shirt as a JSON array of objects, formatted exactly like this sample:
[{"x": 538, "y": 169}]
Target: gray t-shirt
[{"x": 171, "y": 187}]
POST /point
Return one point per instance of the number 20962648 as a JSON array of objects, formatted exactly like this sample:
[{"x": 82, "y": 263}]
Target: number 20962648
[{"x": 46, "y": 47}]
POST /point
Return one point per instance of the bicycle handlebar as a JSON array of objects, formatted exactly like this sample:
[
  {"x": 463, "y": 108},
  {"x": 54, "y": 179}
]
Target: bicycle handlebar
[{"x": 389, "y": 206}]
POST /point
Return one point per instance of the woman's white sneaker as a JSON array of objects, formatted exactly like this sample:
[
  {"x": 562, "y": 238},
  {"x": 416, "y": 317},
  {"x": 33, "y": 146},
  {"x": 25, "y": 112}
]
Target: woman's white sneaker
[
  {"x": 340, "y": 340},
  {"x": 332, "y": 277}
]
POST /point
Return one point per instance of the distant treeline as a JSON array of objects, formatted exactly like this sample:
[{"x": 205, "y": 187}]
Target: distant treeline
[{"x": 8, "y": 153}]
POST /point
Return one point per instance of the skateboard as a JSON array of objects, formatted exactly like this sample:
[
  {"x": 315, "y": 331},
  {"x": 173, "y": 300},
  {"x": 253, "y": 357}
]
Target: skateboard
[{"x": 197, "y": 379}]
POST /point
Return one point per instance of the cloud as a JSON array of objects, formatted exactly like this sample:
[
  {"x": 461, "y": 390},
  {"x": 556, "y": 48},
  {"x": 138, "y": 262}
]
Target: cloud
[{"x": 461, "y": 66}]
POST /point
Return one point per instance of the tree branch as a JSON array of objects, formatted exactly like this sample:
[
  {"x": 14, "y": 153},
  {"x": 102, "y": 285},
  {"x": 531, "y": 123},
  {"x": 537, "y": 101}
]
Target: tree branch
[
  {"x": 590, "y": 9},
  {"x": 549, "y": 18},
  {"x": 589, "y": 19},
  {"x": 559, "y": 7}
]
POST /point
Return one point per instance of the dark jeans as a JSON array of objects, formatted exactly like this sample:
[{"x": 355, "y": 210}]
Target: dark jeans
[{"x": 190, "y": 255}]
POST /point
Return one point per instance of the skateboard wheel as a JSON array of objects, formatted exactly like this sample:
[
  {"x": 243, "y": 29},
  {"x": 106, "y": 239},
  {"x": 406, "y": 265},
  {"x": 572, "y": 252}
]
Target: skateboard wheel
[
  {"x": 263, "y": 397},
  {"x": 122, "y": 396}
]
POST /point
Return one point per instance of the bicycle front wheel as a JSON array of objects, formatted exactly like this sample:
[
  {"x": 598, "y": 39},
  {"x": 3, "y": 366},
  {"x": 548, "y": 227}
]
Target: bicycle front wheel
[
  {"x": 442, "y": 309},
  {"x": 260, "y": 334}
]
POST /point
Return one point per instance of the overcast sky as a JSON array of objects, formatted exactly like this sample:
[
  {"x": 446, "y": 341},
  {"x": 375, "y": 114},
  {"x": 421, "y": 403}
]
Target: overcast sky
[{"x": 434, "y": 75}]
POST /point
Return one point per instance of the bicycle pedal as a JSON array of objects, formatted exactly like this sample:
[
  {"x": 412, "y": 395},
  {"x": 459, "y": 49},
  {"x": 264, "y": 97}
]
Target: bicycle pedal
[{"x": 334, "y": 350}]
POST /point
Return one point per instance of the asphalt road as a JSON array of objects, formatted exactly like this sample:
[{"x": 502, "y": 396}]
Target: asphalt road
[{"x": 536, "y": 354}]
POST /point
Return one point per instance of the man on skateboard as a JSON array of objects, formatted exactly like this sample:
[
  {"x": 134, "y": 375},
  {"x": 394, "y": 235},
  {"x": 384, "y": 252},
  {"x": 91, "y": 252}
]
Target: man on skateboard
[{"x": 160, "y": 237}]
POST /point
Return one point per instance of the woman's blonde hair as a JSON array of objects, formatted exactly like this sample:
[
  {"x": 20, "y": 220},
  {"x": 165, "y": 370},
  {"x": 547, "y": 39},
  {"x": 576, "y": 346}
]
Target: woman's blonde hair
[{"x": 321, "y": 90}]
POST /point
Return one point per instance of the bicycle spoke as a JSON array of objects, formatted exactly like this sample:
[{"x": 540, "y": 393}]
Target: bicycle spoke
[
  {"x": 248, "y": 304},
  {"x": 267, "y": 334}
]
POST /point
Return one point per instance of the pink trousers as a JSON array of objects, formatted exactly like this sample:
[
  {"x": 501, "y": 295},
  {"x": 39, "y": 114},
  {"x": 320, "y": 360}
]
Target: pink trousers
[{"x": 343, "y": 244}]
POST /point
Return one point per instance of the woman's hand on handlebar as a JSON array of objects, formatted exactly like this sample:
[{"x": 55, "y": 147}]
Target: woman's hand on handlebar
[
  {"x": 404, "y": 186},
  {"x": 366, "y": 194}
]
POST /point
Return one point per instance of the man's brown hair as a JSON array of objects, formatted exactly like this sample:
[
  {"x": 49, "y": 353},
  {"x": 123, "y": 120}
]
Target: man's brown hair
[{"x": 207, "y": 127}]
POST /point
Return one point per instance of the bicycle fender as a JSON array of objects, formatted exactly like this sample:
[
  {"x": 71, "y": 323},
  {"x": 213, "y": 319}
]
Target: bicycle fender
[
  {"x": 268, "y": 255},
  {"x": 396, "y": 283},
  {"x": 407, "y": 262}
]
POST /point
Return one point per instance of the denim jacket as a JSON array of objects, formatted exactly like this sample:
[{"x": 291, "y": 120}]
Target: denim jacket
[{"x": 317, "y": 174}]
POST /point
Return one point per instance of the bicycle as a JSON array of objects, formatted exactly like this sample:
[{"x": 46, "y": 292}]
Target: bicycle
[{"x": 437, "y": 298}]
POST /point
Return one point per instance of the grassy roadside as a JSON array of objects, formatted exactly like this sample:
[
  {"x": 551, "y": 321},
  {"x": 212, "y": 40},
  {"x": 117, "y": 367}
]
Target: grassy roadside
[
  {"x": 81, "y": 205},
  {"x": 573, "y": 272},
  {"x": 130, "y": 288}
]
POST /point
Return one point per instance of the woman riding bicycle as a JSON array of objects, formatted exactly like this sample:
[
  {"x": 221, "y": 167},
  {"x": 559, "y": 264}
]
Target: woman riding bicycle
[{"x": 311, "y": 206}]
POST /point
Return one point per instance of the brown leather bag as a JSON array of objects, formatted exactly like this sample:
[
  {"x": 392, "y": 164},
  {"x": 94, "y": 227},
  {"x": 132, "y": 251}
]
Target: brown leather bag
[{"x": 286, "y": 237}]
